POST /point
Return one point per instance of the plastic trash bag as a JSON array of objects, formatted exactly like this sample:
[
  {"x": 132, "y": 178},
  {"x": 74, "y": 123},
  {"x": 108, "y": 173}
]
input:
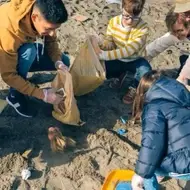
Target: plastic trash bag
[
  {"x": 88, "y": 73},
  {"x": 66, "y": 111}
]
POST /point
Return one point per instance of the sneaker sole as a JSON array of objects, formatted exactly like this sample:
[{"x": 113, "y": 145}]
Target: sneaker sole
[{"x": 16, "y": 109}]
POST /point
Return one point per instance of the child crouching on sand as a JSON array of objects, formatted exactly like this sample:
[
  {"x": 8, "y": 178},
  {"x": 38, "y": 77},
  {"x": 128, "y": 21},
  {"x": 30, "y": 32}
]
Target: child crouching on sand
[
  {"x": 178, "y": 29},
  {"x": 164, "y": 106},
  {"x": 177, "y": 35},
  {"x": 124, "y": 46}
]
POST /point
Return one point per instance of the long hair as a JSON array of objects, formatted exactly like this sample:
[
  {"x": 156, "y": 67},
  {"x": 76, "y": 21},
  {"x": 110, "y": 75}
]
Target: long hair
[
  {"x": 58, "y": 142},
  {"x": 145, "y": 83},
  {"x": 173, "y": 18}
]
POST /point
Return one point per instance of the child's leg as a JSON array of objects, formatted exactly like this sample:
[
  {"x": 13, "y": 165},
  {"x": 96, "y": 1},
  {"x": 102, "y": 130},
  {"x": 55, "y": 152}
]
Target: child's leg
[
  {"x": 142, "y": 67},
  {"x": 151, "y": 184},
  {"x": 139, "y": 67},
  {"x": 113, "y": 68}
]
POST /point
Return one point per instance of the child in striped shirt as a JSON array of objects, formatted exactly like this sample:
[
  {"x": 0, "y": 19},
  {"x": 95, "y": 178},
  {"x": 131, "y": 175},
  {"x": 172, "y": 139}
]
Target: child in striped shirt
[{"x": 124, "y": 46}]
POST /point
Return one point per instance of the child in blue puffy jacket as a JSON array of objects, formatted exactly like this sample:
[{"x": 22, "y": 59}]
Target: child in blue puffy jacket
[{"x": 164, "y": 107}]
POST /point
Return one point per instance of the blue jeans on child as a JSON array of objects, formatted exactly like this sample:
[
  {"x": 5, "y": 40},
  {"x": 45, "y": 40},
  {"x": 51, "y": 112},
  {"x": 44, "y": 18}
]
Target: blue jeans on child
[
  {"x": 152, "y": 183},
  {"x": 27, "y": 60},
  {"x": 115, "y": 68}
]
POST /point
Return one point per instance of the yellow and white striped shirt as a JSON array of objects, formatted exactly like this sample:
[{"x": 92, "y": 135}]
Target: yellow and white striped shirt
[{"x": 124, "y": 43}]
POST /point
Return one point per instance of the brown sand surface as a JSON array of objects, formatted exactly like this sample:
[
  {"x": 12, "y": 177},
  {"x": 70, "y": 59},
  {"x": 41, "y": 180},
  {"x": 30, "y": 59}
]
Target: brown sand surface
[{"x": 99, "y": 149}]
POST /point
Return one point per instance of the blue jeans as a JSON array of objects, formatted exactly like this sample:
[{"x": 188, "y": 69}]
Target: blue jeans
[
  {"x": 115, "y": 68},
  {"x": 152, "y": 184},
  {"x": 27, "y": 61}
]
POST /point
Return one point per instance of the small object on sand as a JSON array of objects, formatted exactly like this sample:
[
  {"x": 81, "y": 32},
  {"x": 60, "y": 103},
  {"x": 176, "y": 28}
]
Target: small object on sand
[
  {"x": 124, "y": 119},
  {"x": 3, "y": 104},
  {"x": 26, "y": 153},
  {"x": 26, "y": 173},
  {"x": 159, "y": 21},
  {"x": 121, "y": 131},
  {"x": 58, "y": 141},
  {"x": 80, "y": 18},
  {"x": 114, "y": 1}
]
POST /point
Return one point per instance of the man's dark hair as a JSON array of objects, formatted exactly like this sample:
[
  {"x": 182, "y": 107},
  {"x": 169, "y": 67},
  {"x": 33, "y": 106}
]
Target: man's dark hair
[{"x": 53, "y": 11}]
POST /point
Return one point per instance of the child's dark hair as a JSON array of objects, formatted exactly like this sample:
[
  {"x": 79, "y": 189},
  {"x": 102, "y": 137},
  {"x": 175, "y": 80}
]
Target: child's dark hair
[
  {"x": 172, "y": 18},
  {"x": 53, "y": 11},
  {"x": 145, "y": 83},
  {"x": 133, "y": 7}
]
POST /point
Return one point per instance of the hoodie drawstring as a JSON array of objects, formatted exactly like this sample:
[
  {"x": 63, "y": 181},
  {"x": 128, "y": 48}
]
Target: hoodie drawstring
[{"x": 40, "y": 41}]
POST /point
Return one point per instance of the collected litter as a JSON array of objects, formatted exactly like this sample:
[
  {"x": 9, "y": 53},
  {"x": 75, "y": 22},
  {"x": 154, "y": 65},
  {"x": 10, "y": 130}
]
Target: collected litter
[
  {"x": 27, "y": 153},
  {"x": 58, "y": 142},
  {"x": 80, "y": 18},
  {"x": 124, "y": 119},
  {"x": 26, "y": 173},
  {"x": 121, "y": 131},
  {"x": 114, "y": 1}
]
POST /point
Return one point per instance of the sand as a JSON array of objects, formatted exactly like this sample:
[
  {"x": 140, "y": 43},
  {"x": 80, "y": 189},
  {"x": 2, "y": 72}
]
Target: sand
[{"x": 99, "y": 149}]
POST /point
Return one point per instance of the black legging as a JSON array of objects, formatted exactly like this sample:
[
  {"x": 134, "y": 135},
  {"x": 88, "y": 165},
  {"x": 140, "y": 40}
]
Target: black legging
[{"x": 182, "y": 59}]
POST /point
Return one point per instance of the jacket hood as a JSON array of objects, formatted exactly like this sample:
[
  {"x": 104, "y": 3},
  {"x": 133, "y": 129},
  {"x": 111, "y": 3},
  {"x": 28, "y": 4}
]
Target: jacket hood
[
  {"x": 19, "y": 12},
  {"x": 168, "y": 89}
]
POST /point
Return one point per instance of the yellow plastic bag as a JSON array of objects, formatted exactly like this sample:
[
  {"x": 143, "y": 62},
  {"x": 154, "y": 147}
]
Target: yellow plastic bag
[
  {"x": 87, "y": 71},
  {"x": 67, "y": 111}
]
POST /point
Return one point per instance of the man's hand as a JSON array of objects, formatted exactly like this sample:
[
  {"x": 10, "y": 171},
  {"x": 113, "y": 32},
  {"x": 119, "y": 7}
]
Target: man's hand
[
  {"x": 51, "y": 97},
  {"x": 137, "y": 182},
  {"x": 60, "y": 65}
]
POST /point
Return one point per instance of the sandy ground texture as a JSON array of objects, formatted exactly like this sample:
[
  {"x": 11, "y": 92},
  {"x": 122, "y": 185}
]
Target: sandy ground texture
[{"x": 99, "y": 148}]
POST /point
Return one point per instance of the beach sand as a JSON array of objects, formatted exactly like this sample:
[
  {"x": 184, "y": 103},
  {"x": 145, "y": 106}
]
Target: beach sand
[{"x": 99, "y": 149}]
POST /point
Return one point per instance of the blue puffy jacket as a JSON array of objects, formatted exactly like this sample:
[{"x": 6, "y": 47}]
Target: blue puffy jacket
[{"x": 165, "y": 129}]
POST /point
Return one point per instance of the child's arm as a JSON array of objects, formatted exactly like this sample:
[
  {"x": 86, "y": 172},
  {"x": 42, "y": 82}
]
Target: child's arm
[
  {"x": 153, "y": 143},
  {"x": 133, "y": 46},
  {"x": 108, "y": 43},
  {"x": 160, "y": 44}
]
